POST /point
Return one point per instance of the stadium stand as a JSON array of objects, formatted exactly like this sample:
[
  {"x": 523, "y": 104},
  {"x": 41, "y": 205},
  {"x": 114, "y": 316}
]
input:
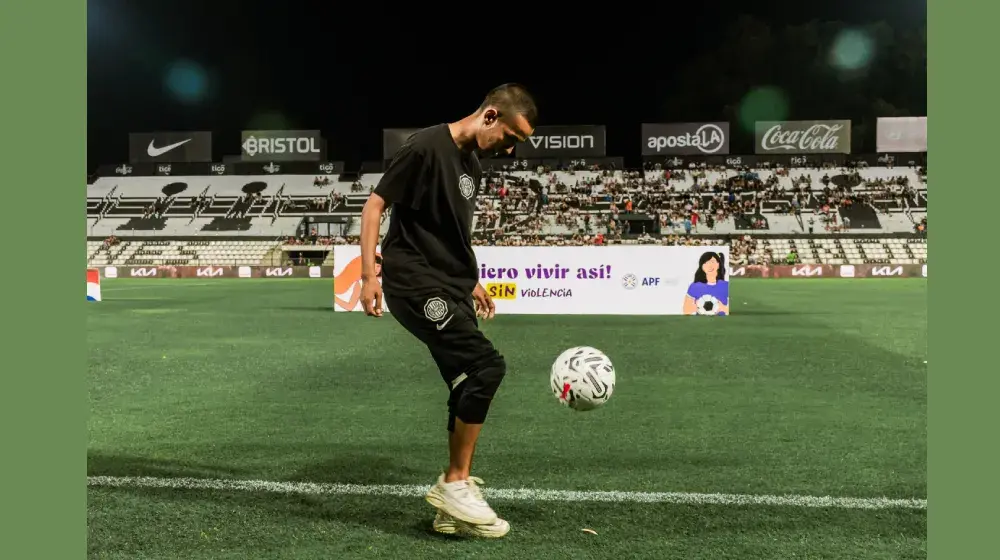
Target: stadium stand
[{"x": 854, "y": 215}]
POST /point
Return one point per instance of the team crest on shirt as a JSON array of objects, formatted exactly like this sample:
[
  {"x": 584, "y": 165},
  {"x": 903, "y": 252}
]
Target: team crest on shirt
[{"x": 466, "y": 186}]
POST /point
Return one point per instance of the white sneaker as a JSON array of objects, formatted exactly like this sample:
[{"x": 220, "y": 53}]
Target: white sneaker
[
  {"x": 448, "y": 525},
  {"x": 462, "y": 500}
]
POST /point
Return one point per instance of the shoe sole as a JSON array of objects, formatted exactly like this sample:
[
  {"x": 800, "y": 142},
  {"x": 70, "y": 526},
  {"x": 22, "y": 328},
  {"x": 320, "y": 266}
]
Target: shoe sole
[
  {"x": 448, "y": 528},
  {"x": 434, "y": 498}
]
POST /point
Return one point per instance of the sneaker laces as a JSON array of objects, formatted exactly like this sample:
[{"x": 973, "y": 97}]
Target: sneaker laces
[{"x": 474, "y": 482}]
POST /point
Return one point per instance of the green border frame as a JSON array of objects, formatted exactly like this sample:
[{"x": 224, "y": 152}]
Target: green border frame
[
  {"x": 43, "y": 403},
  {"x": 43, "y": 392},
  {"x": 963, "y": 384}
]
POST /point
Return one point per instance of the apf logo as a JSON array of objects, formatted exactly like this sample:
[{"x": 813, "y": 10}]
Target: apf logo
[
  {"x": 502, "y": 290},
  {"x": 278, "y": 272},
  {"x": 631, "y": 281},
  {"x": 272, "y": 168}
]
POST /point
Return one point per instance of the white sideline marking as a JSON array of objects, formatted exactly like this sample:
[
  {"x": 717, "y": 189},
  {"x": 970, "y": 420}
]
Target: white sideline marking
[
  {"x": 523, "y": 494},
  {"x": 153, "y": 286}
]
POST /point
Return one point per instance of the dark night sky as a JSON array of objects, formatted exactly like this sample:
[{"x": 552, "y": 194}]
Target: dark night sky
[{"x": 327, "y": 66}]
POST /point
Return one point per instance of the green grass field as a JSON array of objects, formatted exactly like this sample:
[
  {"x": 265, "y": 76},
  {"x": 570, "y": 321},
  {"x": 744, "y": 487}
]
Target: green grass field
[{"x": 812, "y": 388}]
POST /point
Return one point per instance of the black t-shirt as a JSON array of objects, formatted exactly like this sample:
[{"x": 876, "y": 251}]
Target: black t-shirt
[{"x": 432, "y": 187}]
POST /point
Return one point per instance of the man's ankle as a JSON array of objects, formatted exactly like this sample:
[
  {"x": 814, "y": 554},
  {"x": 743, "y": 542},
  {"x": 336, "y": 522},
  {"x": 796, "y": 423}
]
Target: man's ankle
[{"x": 455, "y": 476}]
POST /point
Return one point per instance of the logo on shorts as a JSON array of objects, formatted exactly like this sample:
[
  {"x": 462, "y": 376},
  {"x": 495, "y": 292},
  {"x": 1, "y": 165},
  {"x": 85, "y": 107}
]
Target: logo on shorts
[
  {"x": 465, "y": 186},
  {"x": 630, "y": 281},
  {"x": 435, "y": 309}
]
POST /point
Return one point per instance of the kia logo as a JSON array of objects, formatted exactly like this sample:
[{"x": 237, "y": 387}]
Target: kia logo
[{"x": 279, "y": 272}]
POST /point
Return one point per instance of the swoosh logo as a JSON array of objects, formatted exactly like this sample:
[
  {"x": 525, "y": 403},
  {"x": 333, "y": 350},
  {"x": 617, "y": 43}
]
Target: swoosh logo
[
  {"x": 445, "y": 322},
  {"x": 153, "y": 151}
]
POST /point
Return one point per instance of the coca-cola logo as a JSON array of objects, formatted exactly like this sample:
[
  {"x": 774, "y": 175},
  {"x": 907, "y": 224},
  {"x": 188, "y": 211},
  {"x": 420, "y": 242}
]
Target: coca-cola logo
[{"x": 811, "y": 137}]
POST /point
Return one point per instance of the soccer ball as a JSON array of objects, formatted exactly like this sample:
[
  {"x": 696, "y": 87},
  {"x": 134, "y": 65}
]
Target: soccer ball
[{"x": 583, "y": 378}]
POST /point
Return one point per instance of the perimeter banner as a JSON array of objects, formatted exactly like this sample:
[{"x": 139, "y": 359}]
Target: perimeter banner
[
  {"x": 564, "y": 141},
  {"x": 282, "y": 145},
  {"x": 901, "y": 134},
  {"x": 803, "y": 137},
  {"x": 170, "y": 147},
  {"x": 685, "y": 139},
  {"x": 393, "y": 139},
  {"x": 638, "y": 280}
]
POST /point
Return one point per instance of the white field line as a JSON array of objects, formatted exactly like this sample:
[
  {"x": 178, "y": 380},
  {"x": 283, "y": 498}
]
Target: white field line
[
  {"x": 109, "y": 285},
  {"x": 105, "y": 288},
  {"x": 522, "y": 494}
]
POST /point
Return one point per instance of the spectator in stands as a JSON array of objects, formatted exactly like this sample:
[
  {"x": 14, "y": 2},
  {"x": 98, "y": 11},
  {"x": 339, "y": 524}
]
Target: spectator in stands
[{"x": 792, "y": 257}]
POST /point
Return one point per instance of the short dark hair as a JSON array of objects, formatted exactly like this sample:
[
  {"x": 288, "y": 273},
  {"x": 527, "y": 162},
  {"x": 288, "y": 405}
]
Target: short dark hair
[{"x": 510, "y": 100}]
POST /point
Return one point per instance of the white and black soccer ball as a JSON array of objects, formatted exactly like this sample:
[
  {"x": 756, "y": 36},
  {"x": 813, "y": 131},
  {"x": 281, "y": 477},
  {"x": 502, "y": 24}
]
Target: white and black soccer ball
[
  {"x": 583, "y": 378},
  {"x": 708, "y": 305}
]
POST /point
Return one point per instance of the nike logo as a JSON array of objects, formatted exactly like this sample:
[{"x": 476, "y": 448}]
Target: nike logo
[
  {"x": 153, "y": 151},
  {"x": 442, "y": 324}
]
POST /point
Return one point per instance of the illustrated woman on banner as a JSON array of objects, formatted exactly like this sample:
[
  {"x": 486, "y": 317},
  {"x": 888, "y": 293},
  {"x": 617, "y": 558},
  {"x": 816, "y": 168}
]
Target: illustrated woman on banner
[
  {"x": 709, "y": 293},
  {"x": 349, "y": 280}
]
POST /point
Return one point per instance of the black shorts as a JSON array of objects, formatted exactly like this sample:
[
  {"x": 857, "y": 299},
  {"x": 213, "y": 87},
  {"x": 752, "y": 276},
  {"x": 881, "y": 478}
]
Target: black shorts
[{"x": 450, "y": 330}]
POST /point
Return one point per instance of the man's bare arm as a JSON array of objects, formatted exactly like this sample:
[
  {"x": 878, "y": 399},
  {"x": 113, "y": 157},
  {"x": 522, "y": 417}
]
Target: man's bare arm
[{"x": 371, "y": 219}]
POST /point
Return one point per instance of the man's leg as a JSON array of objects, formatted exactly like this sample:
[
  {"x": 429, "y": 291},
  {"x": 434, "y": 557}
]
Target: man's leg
[
  {"x": 473, "y": 370},
  {"x": 461, "y": 448}
]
